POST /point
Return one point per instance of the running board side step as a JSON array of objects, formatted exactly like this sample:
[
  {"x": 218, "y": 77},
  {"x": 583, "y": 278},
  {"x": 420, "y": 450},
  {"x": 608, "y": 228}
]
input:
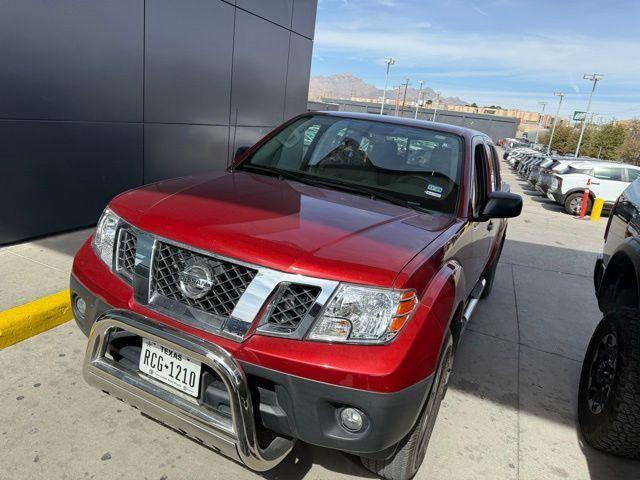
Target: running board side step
[{"x": 474, "y": 298}]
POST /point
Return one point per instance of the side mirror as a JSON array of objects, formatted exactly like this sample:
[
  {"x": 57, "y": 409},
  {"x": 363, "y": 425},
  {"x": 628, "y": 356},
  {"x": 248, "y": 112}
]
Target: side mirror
[
  {"x": 501, "y": 205},
  {"x": 239, "y": 152}
]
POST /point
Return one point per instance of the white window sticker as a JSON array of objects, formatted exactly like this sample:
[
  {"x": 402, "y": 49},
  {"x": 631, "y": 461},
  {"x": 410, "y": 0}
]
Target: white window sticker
[{"x": 434, "y": 190}]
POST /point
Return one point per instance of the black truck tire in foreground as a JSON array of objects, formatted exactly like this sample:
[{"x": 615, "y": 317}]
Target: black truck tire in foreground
[{"x": 609, "y": 393}]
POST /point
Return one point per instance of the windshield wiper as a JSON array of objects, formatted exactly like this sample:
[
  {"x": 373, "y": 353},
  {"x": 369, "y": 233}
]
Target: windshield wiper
[
  {"x": 288, "y": 174},
  {"x": 371, "y": 192},
  {"x": 328, "y": 182},
  {"x": 266, "y": 169}
]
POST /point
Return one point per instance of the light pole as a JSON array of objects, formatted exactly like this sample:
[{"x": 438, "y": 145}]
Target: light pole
[
  {"x": 420, "y": 82},
  {"x": 595, "y": 78},
  {"x": 544, "y": 104},
  {"x": 404, "y": 97},
  {"x": 389, "y": 61},
  {"x": 555, "y": 120},
  {"x": 435, "y": 110}
]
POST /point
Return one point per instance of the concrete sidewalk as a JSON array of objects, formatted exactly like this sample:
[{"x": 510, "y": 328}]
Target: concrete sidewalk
[
  {"x": 510, "y": 412},
  {"x": 38, "y": 268}
]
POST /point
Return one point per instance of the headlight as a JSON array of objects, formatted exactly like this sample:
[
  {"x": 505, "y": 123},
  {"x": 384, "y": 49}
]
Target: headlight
[
  {"x": 105, "y": 236},
  {"x": 357, "y": 314}
]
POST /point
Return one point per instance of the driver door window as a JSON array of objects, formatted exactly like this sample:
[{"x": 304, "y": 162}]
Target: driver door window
[{"x": 479, "y": 182}]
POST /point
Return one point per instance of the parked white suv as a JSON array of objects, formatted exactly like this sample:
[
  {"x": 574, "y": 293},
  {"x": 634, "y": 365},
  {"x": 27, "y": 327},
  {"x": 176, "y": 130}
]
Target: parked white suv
[{"x": 608, "y": 180}]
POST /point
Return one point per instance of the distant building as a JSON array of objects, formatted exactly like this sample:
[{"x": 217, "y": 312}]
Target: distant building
[{"x": 522, "y": 115}]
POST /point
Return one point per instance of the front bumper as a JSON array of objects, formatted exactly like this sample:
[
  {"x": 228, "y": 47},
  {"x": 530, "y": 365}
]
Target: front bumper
[
  {"x": 286, "y": 406},
  {"x": 542, "y": 187},
  {"x": 555, "y": 196},
  {"x": 235, "y": 437}
]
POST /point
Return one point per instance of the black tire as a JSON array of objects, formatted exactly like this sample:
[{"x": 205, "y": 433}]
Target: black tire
[
  {"x": 411, "y": 450},
  {"x": 573, "y": 204},
  {"x": 609, "y": 393},
  {"x": 490, "y": 273}
]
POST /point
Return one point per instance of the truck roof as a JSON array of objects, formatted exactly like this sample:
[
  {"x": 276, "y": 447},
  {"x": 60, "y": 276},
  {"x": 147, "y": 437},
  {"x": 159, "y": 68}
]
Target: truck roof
[{"x": 467, "y": 133}]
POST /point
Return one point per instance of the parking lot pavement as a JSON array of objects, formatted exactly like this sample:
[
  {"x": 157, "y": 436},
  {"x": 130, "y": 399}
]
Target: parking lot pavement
[
  {"x": 509, "y": 412},
  {"x": 38, "y": 268}
]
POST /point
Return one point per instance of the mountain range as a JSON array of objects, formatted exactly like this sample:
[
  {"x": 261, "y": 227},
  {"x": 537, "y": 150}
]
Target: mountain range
[{"x": 347, "y": 85}]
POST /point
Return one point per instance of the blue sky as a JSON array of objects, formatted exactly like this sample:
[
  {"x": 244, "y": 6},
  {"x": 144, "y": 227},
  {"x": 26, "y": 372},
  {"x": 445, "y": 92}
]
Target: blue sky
[{"x": 514, "y": 53}]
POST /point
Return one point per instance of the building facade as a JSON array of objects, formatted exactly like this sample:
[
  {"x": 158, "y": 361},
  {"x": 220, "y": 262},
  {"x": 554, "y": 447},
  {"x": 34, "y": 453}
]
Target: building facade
[{"x": 97, "y": 97}]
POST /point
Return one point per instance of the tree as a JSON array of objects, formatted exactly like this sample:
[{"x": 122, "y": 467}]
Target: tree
[
  {"x": 607, "y": 140},
  {"x": 629, "y": 151},
  {"x": 604, "y": 141},
  {"x": 565, "y": 139}
]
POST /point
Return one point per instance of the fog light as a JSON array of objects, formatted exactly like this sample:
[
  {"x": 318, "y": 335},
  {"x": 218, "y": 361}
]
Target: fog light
[
  {"x": 81, "y": 306},
  {"x": 352, "y": 419}
]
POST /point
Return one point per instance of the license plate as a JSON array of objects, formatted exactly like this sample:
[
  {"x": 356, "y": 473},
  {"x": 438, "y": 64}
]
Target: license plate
[{"x": 170, "y": 367}]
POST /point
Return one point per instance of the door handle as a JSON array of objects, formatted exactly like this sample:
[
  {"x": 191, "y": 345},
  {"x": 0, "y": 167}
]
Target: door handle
[{"x": 490, "y": 225}]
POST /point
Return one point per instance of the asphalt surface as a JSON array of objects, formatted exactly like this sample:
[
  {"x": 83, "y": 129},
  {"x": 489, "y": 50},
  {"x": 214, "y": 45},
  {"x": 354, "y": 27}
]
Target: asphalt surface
[{"x": 509, "y": 412}]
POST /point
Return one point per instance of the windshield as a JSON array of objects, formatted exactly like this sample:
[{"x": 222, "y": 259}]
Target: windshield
[{"x": 417, "y": 166}]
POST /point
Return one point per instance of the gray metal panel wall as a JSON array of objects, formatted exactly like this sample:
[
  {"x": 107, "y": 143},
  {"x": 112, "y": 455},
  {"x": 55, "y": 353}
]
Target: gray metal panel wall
[
  {"x": 276, "y": 11},
  {"x": 260, "y": 60},
  {"x": 163, "y": 76},
  {"x": 53, "y": 57},
  {"x": 60, "y": 175},
  {"x": 297, "y": 76},
  {"x": 177, "y": 150},
  {"x": 188, "y": 59},
  {"x": 304, "y": 17}
]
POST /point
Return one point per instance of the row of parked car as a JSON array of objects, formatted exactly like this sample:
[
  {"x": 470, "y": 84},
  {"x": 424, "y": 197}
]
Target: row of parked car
[{"x": 565, "y": 179}]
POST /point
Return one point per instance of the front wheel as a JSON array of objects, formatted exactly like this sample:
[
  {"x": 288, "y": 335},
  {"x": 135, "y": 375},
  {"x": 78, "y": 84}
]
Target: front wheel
[
  {"x": 609, "y": 393},
  {"x": 410, "y": 453},
  {"x": 573, "y": 204}
]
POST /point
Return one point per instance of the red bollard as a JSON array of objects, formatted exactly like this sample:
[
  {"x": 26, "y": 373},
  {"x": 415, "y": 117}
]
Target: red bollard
[{"x": 585, "y": 200}]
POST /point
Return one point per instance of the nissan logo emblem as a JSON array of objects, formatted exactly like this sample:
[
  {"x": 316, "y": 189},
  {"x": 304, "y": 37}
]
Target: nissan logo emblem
[{"x": 196, "y": 280}]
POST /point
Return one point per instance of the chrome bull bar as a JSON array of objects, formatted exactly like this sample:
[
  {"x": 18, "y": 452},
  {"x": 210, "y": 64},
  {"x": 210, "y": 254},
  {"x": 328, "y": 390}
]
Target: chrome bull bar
[{"x": 236, "y": 439}]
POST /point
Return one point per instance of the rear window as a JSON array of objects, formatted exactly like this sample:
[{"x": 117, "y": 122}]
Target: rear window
[
  {"x": 582, "y": 170},
  {"x": 547, "y": 163},
  {"x": 608, "y": 173},
  {"x": 633, "y": 174}
]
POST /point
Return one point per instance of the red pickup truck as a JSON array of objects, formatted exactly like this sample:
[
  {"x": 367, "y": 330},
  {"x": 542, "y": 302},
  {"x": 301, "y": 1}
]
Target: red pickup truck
[{"x": 315, "y": 291}]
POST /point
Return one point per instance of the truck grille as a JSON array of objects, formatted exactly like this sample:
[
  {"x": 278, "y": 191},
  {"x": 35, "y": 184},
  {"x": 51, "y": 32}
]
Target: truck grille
[
  {"x": 229, "y": 280},
  {"x": 291, "y": 307},
  {"x": 126, "y": 253}
]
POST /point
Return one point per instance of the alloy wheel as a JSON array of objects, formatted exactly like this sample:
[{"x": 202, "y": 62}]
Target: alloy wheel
[
  {"x": 602, "y": 373},
  {"x": 576, "y": 205}
]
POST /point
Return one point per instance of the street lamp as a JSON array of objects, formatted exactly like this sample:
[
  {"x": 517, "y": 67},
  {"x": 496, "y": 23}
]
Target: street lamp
[
  {"x": 389, "y": 61},
  {"x": 595, "y": 78},
  {"x": 555, "y": 120},
  {"x": 435, "y": 111},
  {"x": 420, "y": 82},
  {"x": 544, "y": 104}
]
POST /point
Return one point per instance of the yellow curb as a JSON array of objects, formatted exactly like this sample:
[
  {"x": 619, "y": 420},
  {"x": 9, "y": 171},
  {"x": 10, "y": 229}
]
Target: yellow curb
[{"x": 20, "y": 323}]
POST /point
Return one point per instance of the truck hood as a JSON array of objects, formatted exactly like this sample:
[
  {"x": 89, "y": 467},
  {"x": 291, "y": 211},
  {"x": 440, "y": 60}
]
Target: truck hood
[{"x": 285, "y": 225}]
